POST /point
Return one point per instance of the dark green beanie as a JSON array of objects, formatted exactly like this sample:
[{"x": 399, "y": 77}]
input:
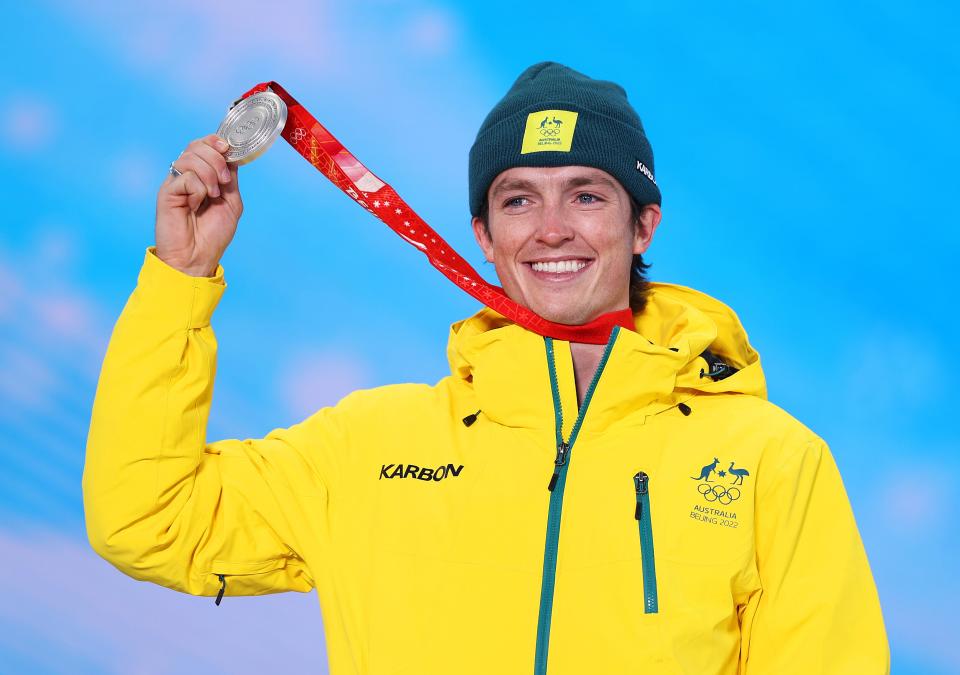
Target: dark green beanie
[{"x": 555, "y": 116}]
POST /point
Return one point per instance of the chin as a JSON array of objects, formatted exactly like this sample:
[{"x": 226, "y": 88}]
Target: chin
[
  {"x": 569, "y": 316},
  {"x": 570, "y": 307}
]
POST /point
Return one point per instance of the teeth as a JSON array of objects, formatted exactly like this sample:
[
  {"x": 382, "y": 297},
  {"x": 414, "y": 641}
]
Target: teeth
[{"x": 559, "y": 267}]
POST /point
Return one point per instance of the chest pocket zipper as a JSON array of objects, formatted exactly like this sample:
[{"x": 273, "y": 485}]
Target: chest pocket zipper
[{"x": 642, "y": 514}]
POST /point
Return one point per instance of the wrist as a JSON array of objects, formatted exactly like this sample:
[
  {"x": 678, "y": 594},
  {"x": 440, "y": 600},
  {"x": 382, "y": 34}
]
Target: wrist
[
  {"x": 193, "y": 270},
  {"x": 197, "y": 271}
]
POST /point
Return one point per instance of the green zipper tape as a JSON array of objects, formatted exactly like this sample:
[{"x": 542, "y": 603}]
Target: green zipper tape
[
  {"x": 642, "y": 486},
  {"x": 556, "y": 498}
]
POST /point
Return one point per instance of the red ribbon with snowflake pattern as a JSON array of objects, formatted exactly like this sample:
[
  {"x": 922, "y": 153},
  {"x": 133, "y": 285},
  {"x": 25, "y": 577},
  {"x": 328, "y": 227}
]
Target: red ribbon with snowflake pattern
[{"x": 333, "y": 160}]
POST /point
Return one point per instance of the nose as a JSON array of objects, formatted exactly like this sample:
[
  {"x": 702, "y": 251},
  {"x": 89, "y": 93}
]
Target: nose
[{"x": 553, "y": 229}]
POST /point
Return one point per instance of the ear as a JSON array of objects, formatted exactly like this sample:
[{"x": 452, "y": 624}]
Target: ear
[
  {"x": 483, "y": 239},
  {"x": 646, "y": 225}
]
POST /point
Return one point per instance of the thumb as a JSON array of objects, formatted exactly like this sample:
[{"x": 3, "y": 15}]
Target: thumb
[
  {"x": 234, "y": 169},
  {"x": 231, "y": 191}
]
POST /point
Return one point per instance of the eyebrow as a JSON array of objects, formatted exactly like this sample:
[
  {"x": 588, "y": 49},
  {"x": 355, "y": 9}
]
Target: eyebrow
[{"x": 576, "y": 181}]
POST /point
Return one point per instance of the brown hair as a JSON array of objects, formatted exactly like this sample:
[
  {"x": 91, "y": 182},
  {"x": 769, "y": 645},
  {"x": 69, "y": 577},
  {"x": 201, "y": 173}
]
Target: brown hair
[{"x": 639, "y": 283}]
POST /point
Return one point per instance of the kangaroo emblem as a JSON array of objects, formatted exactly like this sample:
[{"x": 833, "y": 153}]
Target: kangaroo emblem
[
  {"x": 707, "y": 470},
  {"x": 544, "y": 122},
  {"x": 739, "y": 473}
]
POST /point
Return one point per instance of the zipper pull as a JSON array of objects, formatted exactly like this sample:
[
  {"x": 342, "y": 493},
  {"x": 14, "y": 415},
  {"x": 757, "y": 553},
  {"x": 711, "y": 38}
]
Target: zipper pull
[
  {"x": 553, "y": 480},
  {"x": 558, "y": 462},
  {"x": 223, "y": 587},
  {"x": 561, "y": 454},
  {"x": 640, "y": 485}
]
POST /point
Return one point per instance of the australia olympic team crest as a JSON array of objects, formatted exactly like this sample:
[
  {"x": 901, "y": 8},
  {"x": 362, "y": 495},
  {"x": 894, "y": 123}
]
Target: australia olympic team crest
[
  {"x": 719, "y": 488},
  {"x": 549, "y": 130}
]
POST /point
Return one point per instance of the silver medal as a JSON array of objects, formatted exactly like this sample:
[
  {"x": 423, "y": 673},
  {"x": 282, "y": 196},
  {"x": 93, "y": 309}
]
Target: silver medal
[{"x": 252, "y": 125}]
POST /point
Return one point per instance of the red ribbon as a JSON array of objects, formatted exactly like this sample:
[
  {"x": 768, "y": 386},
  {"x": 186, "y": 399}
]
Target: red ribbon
[{"x": 329, "y": 157}]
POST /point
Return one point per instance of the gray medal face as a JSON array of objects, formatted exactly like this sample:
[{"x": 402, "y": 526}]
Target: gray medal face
[{"x": 252, "y": 125}]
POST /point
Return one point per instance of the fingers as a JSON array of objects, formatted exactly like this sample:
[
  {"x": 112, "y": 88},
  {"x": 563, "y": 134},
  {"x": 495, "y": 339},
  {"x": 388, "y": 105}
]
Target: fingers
[
  {"x": 205, "y": 158},
  {"x": 230, "y": 193},
  {"x": 194, "y": 189},
  {"x": 213, "y": 149},
  {"x": 232, "y": 186}
]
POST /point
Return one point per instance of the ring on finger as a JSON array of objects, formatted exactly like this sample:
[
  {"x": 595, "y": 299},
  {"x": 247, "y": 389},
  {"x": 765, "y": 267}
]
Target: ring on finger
[{"x": 174, "y": 171}]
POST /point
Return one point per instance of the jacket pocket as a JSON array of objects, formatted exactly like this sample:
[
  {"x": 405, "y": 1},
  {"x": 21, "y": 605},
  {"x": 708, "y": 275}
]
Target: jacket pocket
[
  {"x": 248, "y": 576},
  {"x": 641, "y": 483}
]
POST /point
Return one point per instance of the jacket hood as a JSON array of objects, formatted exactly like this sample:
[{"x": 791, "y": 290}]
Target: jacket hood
[
  {"x": 679, "y": 316},
  {"x": 681, "y": 336}
]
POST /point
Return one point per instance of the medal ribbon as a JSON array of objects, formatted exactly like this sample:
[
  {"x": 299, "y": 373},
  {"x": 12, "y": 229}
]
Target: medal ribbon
[{"x": 333, "y": 160}]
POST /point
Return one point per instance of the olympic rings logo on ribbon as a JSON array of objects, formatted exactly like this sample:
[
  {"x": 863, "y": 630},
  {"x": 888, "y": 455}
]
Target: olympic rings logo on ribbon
[
  {"x": 549, "y": 132},
  {"x": 718, "y": 493}
]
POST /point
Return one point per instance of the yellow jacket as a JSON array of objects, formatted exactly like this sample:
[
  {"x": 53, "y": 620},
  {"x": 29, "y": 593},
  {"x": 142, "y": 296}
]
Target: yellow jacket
[{"x": 703, "y": 530}]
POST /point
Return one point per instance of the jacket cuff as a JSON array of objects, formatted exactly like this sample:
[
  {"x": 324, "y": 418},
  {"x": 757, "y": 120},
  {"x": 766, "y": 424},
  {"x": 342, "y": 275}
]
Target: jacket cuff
[{"x": 170, "y": 293}]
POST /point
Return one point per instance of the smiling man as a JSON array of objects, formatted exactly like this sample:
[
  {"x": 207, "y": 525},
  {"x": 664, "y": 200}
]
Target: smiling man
[
  {"x": 551, "y": 506},
  {"x": 565, "y": 245}
]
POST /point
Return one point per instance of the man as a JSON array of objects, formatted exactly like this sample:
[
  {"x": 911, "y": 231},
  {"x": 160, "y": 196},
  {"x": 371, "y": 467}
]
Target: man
[{"x": 550, "y": 506}]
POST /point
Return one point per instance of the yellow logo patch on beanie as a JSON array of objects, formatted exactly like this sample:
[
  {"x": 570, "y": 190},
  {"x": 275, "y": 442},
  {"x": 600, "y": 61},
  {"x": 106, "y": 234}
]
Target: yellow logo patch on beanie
[{"x": 549, "y": 130}]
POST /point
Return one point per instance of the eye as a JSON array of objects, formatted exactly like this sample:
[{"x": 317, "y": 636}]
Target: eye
[
  {"x": 590, "y": 198},
  {"x": 514, "y": 201}
]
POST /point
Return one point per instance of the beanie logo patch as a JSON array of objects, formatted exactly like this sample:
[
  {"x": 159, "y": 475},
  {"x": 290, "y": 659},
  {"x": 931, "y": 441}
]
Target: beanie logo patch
[{"x": 549, "y": 131}]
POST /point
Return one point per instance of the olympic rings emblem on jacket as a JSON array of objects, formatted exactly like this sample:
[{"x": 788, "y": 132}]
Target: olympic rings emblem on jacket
[{"x": 718, "y": 493}]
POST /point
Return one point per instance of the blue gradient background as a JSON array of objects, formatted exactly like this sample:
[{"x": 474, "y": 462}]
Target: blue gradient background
[{"x": 807, "y": 157}]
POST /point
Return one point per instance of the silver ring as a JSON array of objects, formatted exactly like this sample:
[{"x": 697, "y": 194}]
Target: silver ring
[{"x": 174, "y": 171}]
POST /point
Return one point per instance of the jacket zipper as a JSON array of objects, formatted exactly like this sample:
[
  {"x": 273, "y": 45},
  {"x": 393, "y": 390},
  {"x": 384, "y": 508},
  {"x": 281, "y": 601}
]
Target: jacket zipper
[
  {"x": 642, "y": 514},
  {"x": 556, "y": 485},
  {"x": 223, "y": 587}
]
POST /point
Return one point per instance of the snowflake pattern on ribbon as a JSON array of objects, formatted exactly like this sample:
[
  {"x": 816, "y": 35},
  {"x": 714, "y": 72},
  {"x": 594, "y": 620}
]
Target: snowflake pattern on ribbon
[{"x": 326, "y": 154}]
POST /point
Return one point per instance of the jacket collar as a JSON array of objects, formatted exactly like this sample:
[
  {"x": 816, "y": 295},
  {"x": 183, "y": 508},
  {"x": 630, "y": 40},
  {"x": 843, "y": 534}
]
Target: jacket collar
[{"x": 654, "y": 367}]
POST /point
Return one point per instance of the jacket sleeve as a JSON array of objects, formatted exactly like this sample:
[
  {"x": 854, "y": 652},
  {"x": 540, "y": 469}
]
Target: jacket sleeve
[
  {"x": 160, "y": 503},
  {"x": 818, "y": 610}
]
